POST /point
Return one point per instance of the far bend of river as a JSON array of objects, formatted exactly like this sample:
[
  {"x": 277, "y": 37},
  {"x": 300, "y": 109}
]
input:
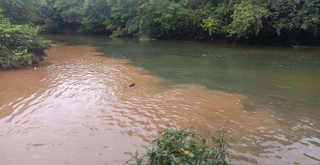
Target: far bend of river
[{"x": 75, "y": 109}]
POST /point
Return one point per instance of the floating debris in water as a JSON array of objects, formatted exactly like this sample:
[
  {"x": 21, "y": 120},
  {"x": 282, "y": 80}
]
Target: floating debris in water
[{"x": 131, "y": 85}]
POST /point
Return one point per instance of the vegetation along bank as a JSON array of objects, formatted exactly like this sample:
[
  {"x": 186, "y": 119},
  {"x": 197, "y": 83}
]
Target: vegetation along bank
[{"x": 290, "y": 22}]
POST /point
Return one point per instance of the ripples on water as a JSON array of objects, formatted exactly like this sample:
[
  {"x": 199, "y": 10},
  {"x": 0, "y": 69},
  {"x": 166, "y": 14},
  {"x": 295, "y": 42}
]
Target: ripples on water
[{"x": 76, "y": 109}]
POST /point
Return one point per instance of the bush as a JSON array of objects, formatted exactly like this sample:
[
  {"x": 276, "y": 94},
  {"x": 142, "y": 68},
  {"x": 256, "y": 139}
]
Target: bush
[
  {"x": 20, "y": 45},
  {"x": 186, "y": 147}
]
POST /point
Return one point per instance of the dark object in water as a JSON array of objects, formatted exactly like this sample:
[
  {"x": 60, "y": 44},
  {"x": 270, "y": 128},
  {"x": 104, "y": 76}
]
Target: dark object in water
[{"x": 131, "y": 85}]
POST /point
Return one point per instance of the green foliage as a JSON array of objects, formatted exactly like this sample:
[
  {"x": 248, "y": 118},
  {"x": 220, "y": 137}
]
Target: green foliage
[
  {"x": 291, "y": 14},
  {"x": 71, "y": 12},
  {"x": 283, "y": 21},
  {"x": 310, "y": 14},
  {"x": 22, "y": 11},
  {"x": 247, "y": 19},
  {"x": 284, "y": 15},
  {"x": 213, "y": 19},
  {"x": 95, "y": 12},
  {"x": 162, "y": 13},
  {"x": 72, "y": 15},
  {"x": 211, "y": 25},
  {"x": 186, "y": 146},
  {"x": 168, "y": 19},
  {"x": 116, "y": 21},
  {"x": 218, "y": 18},
  {"x": 20, "y": 45}
]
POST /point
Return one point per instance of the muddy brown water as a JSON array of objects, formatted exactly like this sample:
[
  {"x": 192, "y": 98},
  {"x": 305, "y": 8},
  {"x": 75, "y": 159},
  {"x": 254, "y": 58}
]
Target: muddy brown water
[{"x": 75, "y": 109}]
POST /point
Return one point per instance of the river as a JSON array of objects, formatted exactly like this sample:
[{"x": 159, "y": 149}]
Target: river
[{"x": 74, "y": 108}]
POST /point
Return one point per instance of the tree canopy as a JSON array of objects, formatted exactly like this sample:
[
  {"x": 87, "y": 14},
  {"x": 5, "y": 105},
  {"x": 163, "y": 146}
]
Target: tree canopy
[{"x": 264, "y": 21}]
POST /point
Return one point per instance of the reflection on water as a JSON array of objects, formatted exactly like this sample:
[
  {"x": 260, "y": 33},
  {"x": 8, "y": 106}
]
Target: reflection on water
[{"x": 76, "y": 109}]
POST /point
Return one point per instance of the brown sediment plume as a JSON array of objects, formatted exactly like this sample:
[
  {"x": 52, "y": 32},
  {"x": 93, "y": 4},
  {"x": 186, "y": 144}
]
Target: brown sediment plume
[{"x": 76, "y": 109}]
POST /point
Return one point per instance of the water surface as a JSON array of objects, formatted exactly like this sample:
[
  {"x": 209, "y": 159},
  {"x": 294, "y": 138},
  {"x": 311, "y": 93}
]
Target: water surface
[{"x": 75, "y": 109}]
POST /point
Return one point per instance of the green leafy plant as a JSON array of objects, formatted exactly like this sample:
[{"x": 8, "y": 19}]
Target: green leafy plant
[
  {"x": 186, "y": 147},
  {"x": 20, "y": 45},
  {"x": 247, "y": 20}
]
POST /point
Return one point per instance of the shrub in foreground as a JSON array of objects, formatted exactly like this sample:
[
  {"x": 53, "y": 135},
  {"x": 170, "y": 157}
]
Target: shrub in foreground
[
  {"x": 186, "y": 147},
  {"x": 20, "y": 45}
]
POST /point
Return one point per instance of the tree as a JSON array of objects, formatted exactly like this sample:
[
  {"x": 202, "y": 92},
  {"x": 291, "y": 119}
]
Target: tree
[
  {"x": 20, "y": 44},
  {"x": 22, "y": 11},
  {"x": 247, "y": 20},
  {"x": 285, "y": 21},
  {"x": 122, "y": 15}
]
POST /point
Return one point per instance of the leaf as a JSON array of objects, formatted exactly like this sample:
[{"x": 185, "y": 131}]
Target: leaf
[{"x": 191, "y": 154}]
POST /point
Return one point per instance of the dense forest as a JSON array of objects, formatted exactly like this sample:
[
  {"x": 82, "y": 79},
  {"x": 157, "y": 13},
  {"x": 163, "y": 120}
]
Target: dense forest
[{"x": 291, "y": 22}]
